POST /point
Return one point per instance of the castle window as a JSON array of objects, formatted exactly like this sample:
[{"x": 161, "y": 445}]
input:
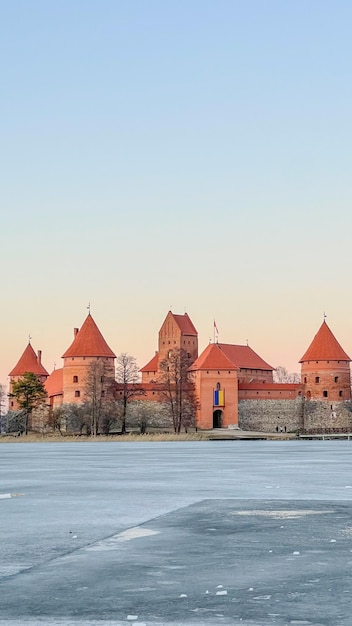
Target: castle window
[
  {"x": 189, "y": 355},
  {"x": 336, "y": 379},
  {"x": 77, "y": 394},
  {"x": 103, "y": 393},
  {"x": 218, "y": 386},
  {"x": 340, "y": 393},
  {"x": 11, "y": 402},
  {"x": 317, "y": 379},
  {"x": 305, "y": 379},
  {"x": 75, "y": 379},
  {"x": 72, "y": 358},
  {"x": 325, "y": 394}
]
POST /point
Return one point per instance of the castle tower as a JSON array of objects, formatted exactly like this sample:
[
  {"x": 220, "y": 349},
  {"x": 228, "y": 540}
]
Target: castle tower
[
  {"x": 28, "y": 362},
  {"x": 88, "y": 346},
  {"x": 177, "y": 332},
  {"x": 325, "y": 369},
  {"x": 216, "y": 381}
]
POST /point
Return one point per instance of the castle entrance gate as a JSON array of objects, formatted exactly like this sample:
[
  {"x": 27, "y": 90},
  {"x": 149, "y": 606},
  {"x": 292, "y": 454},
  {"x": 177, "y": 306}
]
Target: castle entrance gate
[{"x": 217, "y": 419}]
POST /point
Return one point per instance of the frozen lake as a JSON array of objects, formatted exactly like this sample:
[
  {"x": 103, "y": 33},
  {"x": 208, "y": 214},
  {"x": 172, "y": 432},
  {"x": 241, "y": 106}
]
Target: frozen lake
[{"x": 223, "y": 532}]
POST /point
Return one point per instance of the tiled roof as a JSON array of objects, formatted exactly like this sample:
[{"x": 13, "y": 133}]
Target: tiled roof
[
  {"x": 89, "y": 342},
  {"x": 55, "y": 383},
  {"x": 184, "y": 323},
  {"x": 152, "y": 366},
  {"x": 229, "y": 356},
  {"x": 325, "y": 347},
  {"x": 244, "y": 357},
  {"x": 213, "y": 358},
  {"x": 28, "y": 363}
]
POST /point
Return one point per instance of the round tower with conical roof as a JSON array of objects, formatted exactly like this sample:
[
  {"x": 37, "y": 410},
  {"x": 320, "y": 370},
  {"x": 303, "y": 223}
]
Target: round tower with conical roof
[
  {"x": 88, "y": 347},
  {"x": 325, "y": 369},
  {"x": 28, "y": 362}
]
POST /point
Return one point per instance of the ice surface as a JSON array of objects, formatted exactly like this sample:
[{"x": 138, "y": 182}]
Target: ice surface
[{"x": 102, "y": 494}]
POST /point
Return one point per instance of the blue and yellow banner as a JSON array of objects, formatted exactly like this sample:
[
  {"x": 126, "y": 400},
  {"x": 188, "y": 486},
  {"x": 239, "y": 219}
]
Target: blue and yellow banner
[{"x": 219, "y": 397}]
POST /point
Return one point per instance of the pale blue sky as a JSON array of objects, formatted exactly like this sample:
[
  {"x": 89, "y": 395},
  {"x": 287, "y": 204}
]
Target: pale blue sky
[{"x": 191, "y": 153}]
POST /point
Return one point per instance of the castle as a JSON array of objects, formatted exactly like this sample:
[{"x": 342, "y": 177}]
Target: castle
[{"x": 234, "y": 385}]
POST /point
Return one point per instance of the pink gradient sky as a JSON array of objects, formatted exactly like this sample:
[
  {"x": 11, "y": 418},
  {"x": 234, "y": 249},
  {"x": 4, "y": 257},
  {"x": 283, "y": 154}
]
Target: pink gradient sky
[{"x": 189, "y": 155}]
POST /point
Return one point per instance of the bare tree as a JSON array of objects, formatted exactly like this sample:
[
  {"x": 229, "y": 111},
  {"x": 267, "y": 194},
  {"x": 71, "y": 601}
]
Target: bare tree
[
  {"x": 76, "y": 417},
  {"x": 58, "y": 418},
  {"x": 178, "y": 390},
  {"x": 15, "y": 421},
  {"x": 99, "y": 384},
  {"x": 282, "y": 375},
  {"x": 128, "y": 384},
  {"x": 145, "y": 414},
  {"x": 2, "y": 405}
]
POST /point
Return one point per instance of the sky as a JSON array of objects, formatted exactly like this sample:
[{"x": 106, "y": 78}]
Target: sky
[{"x": 191, "y": 155}]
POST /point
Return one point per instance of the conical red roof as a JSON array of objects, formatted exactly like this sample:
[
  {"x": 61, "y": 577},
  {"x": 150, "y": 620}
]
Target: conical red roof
[
  {"x": 89, "y": 342},
  {"x": 325, "y": 347},
  {"x": 29, "y": 363}
]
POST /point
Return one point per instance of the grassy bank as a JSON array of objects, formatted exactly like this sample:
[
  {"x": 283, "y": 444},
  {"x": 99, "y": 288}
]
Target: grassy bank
[{"x": 57, "y": 438}]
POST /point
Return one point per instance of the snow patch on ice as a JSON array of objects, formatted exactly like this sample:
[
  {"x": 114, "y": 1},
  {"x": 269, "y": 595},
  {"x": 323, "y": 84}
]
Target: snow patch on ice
[
  {"x": 127, "y": 535},
  {"x": 281, "y": 514},
  {"x": 221, "y": 593}
]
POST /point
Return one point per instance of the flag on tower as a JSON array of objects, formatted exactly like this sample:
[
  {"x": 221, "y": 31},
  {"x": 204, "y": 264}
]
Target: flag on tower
[{"x": 216, "y": 328}]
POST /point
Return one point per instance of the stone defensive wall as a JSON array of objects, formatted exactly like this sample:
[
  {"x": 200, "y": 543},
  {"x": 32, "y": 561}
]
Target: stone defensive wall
[
  {"x": 270, "y": 415},
  {"x": 327, "y": 415},
  {"x": 295, "y": 415}
]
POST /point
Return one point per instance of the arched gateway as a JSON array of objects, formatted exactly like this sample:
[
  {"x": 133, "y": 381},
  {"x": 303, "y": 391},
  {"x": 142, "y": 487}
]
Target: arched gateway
[{"x": 217, "y": 419}]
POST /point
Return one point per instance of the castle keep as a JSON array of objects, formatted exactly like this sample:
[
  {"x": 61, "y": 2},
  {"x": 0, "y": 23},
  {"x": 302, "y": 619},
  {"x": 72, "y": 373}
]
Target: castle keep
[{"x": 234, "y": 385}]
